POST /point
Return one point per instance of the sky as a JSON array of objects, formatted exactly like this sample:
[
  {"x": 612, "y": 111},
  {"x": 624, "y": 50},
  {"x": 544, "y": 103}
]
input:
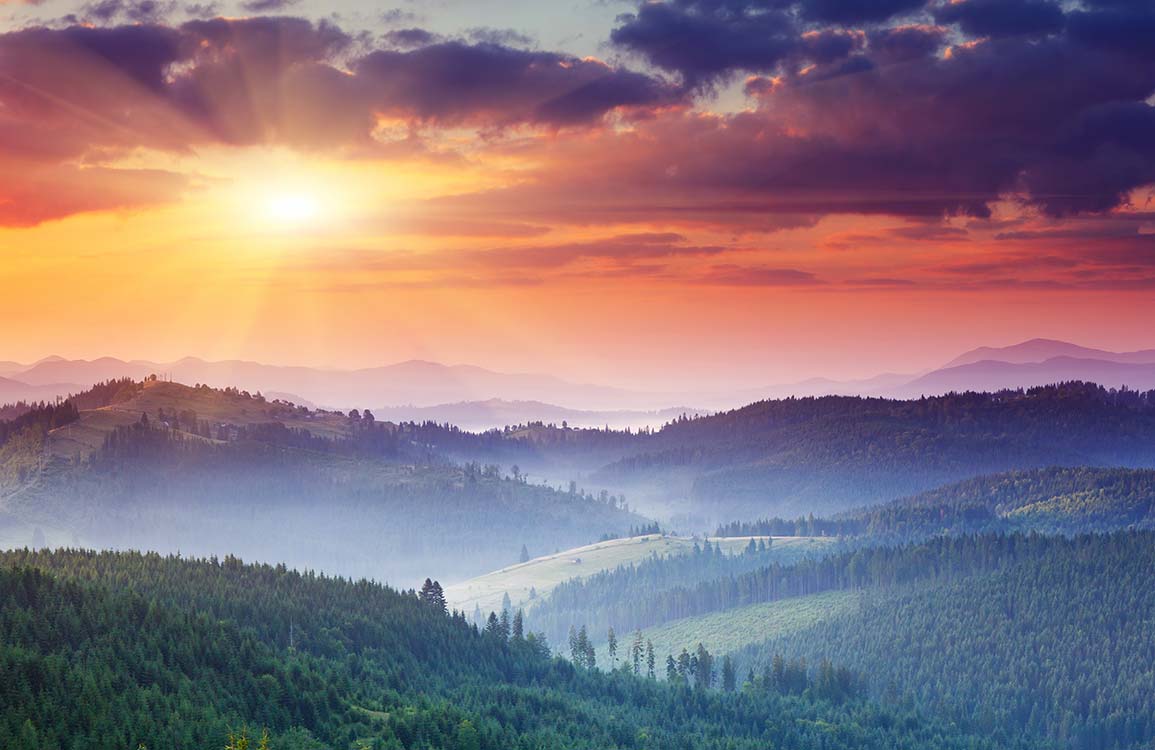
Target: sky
[{"x": 669, "y": 194}]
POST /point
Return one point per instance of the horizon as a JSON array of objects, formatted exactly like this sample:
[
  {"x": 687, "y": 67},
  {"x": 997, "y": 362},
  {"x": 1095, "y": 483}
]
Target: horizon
[{"x": 882, "y": 370}]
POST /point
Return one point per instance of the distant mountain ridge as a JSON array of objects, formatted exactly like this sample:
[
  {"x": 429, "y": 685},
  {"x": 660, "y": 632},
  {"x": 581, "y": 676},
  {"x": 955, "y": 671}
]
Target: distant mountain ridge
[
  {"x": 1041, "y": 350},
  {"x": 411, "y": 383},
  {"x": 469, "y": 395}
]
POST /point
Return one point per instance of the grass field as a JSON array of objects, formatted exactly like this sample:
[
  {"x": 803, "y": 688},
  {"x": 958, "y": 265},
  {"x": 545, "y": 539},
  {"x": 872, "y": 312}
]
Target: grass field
[
  {"x": 723, "y": 632},
  {"x": 544, "y": 573}
]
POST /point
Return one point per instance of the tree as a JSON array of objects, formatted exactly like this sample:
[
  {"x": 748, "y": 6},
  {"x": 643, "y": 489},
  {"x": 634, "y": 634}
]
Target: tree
[
  {"x": 524, "y": 557},
  {"x": 467, "y": 736},
  {"x": 704, "y": 674},
  {"x": 432, "y": 594},
  {"x": 636, "y": 651},
  {"x": 519, "y": 625},
  {"x": 729, "y": 677},
  {"x": 671, "y": 669},
  {"x": 493, "y": 626},
  {"x": 612, "y": 647},
  {"x": 505, "y": 624},
  {"x": 586, "y": 656},
  {"x": 650, "y": 659}
]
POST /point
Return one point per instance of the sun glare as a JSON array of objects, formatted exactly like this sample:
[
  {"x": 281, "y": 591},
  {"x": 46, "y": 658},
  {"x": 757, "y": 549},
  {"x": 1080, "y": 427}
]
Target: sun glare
[{"x": 292, "y": 208}]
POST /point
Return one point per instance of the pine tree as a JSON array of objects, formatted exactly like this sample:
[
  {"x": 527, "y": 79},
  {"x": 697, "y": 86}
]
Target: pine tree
[
  {"x": 650, "y": 659},
  {"x": 636, "y": 651},
  {"x": 519, "y": 625},
  {"x": 729, "y": 677},
  {"x": 524, "y": 557},
  {"x": 612, "y": 647}
]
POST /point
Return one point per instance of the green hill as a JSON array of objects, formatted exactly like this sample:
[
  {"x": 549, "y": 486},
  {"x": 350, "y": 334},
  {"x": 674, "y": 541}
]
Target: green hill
[
  {"x": 1053, "y": 639},
  {"x": 1054, "y": 500},
  {"x": 114, "y": 650}
]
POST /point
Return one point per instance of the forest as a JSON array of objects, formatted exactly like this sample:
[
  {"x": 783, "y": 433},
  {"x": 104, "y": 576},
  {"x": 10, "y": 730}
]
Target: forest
[
  {"x": 114, "y": 650},
  {"x": 1055, "y": 640}
]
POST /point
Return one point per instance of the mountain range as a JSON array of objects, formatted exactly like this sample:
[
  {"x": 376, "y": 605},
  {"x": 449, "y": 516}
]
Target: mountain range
[{"x": 477, "y": 398}]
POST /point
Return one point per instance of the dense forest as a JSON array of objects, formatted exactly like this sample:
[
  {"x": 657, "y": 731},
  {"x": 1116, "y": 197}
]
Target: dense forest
[
  {"x": 641, "y": 596},
  {"x": 115, "y": 650},
  {"x": 821, "y": 455},
  {"x": 1056, "y": 641},
  {"x": 1061, "y": 500},
  {"x": 1053, "y": 500}
]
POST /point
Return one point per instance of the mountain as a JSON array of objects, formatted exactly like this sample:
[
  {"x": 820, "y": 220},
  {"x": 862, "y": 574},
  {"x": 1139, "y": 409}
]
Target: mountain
[
  {"x": 497, "y": 413},
  {"x": 415, "y": 383},
  {"x": 12, "y": 391},
  {"x": 797, "y": 456},
  {"x": 991, "y": 375},
  {"x": 164, "y": 466},
  {"x": 1040, "y": 350}
]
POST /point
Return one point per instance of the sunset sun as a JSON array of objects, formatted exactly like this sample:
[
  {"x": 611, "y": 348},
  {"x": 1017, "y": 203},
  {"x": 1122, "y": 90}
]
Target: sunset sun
[{"x": 292, "y": 208}]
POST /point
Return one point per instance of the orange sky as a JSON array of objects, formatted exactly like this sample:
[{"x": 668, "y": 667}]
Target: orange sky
[{"x": 598, "y": 223}]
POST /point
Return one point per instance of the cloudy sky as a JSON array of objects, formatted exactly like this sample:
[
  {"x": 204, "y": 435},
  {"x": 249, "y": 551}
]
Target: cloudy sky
[{"x": 665, "y": 194}]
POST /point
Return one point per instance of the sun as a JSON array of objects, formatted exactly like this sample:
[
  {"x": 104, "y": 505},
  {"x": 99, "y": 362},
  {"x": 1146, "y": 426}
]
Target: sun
[{"x": 292, "y": 208}]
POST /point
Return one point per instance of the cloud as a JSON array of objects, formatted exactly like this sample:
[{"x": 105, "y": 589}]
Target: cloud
[
  {"x": 91, "y": 92},
  {"x": 706, "y": 40},
  {"x": 410, "y": 38},
  {"x": 454, "y": 83},
  {"x": 267, "y": 6},
  {"x": 1002, "y": 17},
  {"x": 621, "y": 249},
  {"x": 727, "y": 274}
]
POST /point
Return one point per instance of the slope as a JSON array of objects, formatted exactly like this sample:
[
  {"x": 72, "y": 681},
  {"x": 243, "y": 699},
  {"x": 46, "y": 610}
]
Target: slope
[{"x": 165, "y": 652}]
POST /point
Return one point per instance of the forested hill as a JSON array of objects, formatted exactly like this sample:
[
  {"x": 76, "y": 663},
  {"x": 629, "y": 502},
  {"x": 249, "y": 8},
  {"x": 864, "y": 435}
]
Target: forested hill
[
  {"x": 1055, "y": 640},
  {"x": 821, "y": 455},
  {"x": 164, "y": 466},
  {"x": 116, "y": 650},
  {"x": 1056, "y": 499}
]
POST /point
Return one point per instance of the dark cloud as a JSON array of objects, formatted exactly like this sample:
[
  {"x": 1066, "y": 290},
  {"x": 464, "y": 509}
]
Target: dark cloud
[
  {"x": 856, "y": 11},
  {"x": 703, "y": 41},
  {"x": 904, "y": 43},
  {"x": 1002, "y": 17},
  {"x": 267, "y": 6},
  {"x": 410, "y": 38},
  {"x": 505, "y": 37},
  {"x": 454, "y": 82},
  {"x": 708, "y": 40}
]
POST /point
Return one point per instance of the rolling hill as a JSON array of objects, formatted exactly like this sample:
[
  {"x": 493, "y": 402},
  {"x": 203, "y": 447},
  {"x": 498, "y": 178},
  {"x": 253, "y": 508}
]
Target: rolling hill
[
  {"x": 1051, "y": 500},
  {"x": 797, "y": 456},
  {"x": 158, "y": 465}
]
